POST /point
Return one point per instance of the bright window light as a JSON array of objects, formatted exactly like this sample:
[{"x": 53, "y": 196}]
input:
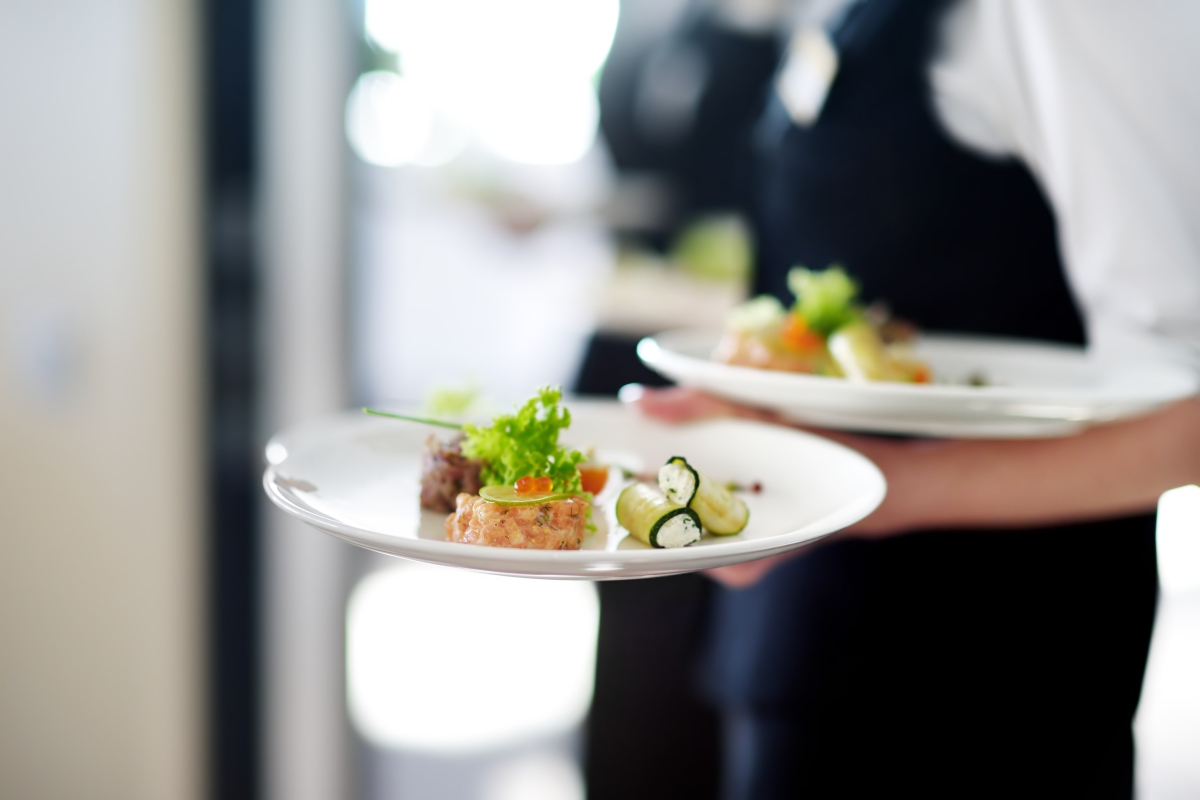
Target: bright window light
[
  {"x": 520, "y": 71},
  {"x": 542, "y": 122},
  {"x": 449, "y": 661},
  {"x": 568, "y": 37},
  {"x": 1178, "y": 536},
  {"x": 388, "y": 119}
]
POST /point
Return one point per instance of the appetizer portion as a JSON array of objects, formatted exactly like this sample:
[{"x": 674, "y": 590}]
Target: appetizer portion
[
  {"x": 684, "y": 503},
  {"x": 653, "y": 519},
  {"x": 532, "y": 494},
  {"x": 549, "y": 525},
  {"x": 825, "y": 332},
  {"x": 446, "y": 473},
  {"x": 721, "y": 512},
  {"x": 514, "y": 485}
]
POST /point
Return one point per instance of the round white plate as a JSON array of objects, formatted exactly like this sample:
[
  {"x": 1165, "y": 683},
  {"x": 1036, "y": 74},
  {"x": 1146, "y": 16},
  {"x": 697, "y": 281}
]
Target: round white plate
[
  {"x": 1034, "y": 389},
  {"x": 357, "y": 478}
]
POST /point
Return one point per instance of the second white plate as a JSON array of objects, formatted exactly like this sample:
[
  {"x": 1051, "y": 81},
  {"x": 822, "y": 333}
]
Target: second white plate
[{"x": 1033, "y": 389}]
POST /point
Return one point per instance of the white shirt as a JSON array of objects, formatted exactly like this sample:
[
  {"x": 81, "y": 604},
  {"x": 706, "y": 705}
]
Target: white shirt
[{"x": 1099, "y": 98}]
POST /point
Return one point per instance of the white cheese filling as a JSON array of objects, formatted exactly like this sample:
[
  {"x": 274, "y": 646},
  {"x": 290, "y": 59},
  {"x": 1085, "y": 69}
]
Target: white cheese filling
[
  {"x": 679, "y": 531},
  {"x": 677, "y": 482}
]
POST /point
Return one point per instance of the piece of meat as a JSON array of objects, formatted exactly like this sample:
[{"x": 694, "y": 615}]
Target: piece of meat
[
  {"x": 555, "y": 525},
  {"x": 446, "y": 472}
]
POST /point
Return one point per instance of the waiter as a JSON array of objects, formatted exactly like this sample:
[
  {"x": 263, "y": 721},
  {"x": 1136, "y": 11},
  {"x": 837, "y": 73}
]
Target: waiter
[{"x": 1022, "y": 169}]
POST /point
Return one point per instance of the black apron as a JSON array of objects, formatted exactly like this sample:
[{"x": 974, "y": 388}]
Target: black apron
[{"x": 953, "y": 663}]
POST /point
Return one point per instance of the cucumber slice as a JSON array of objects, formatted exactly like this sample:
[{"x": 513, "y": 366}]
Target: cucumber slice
[
  {"x": 721, "y": 511},
  {"x": 508, "y": 496},
  {"x": 862, "y": 356},
  {"x": 655, "y": 520}
]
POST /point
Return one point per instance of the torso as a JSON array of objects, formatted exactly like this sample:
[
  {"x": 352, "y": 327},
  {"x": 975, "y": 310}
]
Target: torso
[{"x": 933, "y": 648}]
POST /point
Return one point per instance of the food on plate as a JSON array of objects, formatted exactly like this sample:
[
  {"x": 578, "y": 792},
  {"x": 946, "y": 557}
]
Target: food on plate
[
  {"x": 653, "y": 519},
  {"x": 532, "y": 494},
  {"x": 446, "y": 473},
  {"x": 521, "y": 494},
  {"x": 862, "y": 355},
  {"x": 675, "y": 510},
  {"x": 525, "y": 444},
  {"x": 721, "y": 512},
  {"x": 825, "y": 332},
  {"x": 456, "y": 402},
  {"x": 593, "y": 477},
  {"x": 548, "y": 525},
  {"x": 514, "y": 485},
  {"x": 519, "y": 486}
]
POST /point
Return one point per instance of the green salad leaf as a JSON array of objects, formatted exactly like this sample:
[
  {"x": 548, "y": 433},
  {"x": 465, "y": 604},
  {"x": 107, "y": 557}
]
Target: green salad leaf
[
  {"x": 526, "y": 443},
  {"x": 824, "y": 299},
  {"x": 452, "y": 401}
]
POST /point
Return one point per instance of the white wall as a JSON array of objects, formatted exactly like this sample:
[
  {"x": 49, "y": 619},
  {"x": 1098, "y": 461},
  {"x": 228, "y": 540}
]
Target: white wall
[{"x": 100, "y": 452}]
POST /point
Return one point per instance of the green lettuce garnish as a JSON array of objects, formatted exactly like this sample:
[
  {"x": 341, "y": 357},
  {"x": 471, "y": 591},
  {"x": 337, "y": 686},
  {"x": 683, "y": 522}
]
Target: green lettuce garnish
[
  {"x": 450, "y": 401},
  {"x": 526, "y": 443},
  {"x": 824, "y": 299}
]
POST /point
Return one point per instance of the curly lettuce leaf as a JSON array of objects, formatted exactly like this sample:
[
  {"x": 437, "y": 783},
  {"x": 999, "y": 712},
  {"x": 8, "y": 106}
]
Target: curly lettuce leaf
[
  {"x": 526, "y": 443},
  {"x": 825, "y": 299}
]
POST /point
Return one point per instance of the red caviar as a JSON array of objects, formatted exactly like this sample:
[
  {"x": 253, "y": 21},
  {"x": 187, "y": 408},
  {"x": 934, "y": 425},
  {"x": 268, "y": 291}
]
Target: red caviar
[{"x": 532, "y": 485}]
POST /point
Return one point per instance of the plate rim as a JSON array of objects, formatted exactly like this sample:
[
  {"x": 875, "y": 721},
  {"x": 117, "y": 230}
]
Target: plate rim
[{"x": 652, "y": 351}]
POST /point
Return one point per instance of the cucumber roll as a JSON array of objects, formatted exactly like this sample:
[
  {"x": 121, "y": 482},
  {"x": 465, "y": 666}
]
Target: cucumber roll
[
  {"x": 655, "y": 520},
  {"x": 720, "y": 510}
]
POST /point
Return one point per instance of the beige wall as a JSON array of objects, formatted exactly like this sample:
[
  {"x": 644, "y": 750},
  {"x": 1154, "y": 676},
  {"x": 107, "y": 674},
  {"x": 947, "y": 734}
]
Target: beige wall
[{"x": 100, "y": 460}]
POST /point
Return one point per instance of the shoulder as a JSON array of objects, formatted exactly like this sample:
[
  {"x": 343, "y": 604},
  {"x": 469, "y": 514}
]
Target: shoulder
[{"x": 1004, "y": 67}]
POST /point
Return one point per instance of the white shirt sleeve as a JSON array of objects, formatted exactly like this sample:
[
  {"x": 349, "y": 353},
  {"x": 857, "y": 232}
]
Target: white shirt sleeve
[{"x": 1100, "y": 99}]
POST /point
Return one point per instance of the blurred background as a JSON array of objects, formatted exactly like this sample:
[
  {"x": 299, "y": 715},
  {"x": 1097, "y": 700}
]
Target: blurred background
[{"x": 220, "y": 218}]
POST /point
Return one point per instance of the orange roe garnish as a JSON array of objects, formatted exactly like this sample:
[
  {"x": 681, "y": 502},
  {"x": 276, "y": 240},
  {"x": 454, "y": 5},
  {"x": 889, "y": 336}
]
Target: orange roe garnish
[
  {"x": 593, "y": 478},
  {"x": 798, "y": 336},
  {"x": 921, "y": 374},
  {"x": 532, "y": 485}
]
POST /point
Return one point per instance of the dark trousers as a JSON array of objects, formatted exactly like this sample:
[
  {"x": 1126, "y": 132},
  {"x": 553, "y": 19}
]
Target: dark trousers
[{"x": 961, "y": 664}]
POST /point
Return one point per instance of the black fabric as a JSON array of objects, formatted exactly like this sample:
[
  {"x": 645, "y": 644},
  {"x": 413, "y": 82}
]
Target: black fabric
[
  {"x": 943, "y": 664},
  {"x": 961, "y": 664},
  {"x": 647, "y": 736},
  {"x": 704, "y": 160},
  {"x": 610, "y": 361},
  {"x": 947, "y": 238}
]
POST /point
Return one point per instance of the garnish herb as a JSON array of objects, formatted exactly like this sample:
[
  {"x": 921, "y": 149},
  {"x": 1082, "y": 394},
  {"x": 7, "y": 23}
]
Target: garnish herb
[
  {"x": 448, "y": 401},
  {"x": 526, "y": 443},
  {"x": 424, "y": 420},
  {"x": 824, "y": 299}
]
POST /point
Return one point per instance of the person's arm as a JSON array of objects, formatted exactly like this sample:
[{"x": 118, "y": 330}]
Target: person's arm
[
  {"x": 1097, "y": 97},
  {"x": 1107, "y": 471}
]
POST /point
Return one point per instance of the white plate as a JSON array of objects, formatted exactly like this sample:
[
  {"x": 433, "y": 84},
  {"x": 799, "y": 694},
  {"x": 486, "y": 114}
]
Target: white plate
[
  {"x": 357, "y": 478},
  {"x": 1034, "y": 389}
]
